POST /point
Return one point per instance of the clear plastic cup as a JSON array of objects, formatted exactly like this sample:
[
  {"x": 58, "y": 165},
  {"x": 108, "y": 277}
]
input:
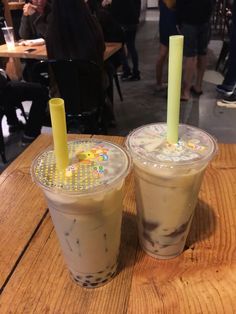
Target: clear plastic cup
[
  {"x": 85, "y": 203},
  {"x": 8, "y": 34},
  {"x": 167, "y": 182}
]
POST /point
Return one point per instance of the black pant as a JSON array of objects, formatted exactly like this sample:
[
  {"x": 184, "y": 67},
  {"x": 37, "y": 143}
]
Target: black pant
[
  {"x": 230, "y": 78},
  {"x": 16, "y": 92},
  {"x": 130, "y": 35}
]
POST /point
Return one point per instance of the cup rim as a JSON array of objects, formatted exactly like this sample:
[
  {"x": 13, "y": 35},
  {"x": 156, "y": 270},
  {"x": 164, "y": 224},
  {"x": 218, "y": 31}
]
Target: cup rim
[
  {"x": 165, "y": 164},
  {"x": 95, "y": 190}
]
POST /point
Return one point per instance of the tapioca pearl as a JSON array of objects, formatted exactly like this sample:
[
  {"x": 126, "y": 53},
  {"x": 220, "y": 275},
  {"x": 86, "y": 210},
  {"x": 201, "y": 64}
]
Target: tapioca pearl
[
  {"x": 104, "y": 280},
  {"x": 94, "y": 284},
  {"x": 98, "y": 279},
  {"x": 78, "y": 277},
  {"x": 89, "y": 276},
  {"x": 113, "y": 266}
]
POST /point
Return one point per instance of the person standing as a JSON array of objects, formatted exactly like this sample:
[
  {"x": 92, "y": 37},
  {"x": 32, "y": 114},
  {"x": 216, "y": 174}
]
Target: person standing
[
  {"x": 167, "y": 27},
  {"x": 126, "y": 13},
  {"x": 193, "y": 18}
]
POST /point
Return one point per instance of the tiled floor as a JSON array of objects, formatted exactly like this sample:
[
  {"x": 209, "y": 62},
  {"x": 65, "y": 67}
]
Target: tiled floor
[{"x": 143, "y": 105}]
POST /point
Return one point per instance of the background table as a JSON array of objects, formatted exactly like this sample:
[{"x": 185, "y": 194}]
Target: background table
[
  {"x": 34, "y": 278},
  {"x": 40, "y": 52}
]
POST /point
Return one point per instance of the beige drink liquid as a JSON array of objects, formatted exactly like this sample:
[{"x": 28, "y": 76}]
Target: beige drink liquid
[
  {"x": 167, "y": 182},
  {"x": 85, "y": 204}
]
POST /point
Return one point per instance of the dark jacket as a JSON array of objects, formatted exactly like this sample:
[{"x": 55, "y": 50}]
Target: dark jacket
[
  {"x": 194, "y": 12},
  {"x": 112, "y": 31},
  {"x": 35, "y": 25},
  {"x": 126, "y": 12}
]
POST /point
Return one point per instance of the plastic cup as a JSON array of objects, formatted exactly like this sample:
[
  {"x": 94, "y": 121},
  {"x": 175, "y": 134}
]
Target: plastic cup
[
  {"x": 8, "y": 33},
  {"x": 85, "y": 204},
  {"x": 167, "y": 182}
]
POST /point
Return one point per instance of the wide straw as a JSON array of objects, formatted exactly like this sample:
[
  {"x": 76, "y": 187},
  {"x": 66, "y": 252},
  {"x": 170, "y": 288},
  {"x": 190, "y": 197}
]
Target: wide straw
[
  {"x": 57, "y": 113},
  {"x": 7, "y": 28},
  {"x": 174, "y": 87}
]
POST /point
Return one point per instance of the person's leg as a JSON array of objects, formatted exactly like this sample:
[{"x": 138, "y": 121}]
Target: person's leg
[
  {"x": 229, "y": 84},
  {"x": 130, "y": 42},
  {"x": 39, "y": 96},
  {"x": 163, "y": 52},
  {"x": 22, "y": 91},
  {"x": 167, "y": 28},
  {"x": 9, "y": 99},
  {"x": 230, "y": 77},
  {"x": 125, "y": 64},
  {"x": 190, "y": 60},
  {"x": 189, "y": 73},
  {"x": 201, "y": 67},
  {"x": 203, "y": 38}
]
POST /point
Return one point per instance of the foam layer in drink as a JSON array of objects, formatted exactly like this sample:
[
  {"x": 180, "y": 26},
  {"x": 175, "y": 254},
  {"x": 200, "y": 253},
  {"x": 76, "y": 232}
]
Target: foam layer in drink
[
  {"x": 85, "y": 204},
  {"x": 167, "y": 182}
]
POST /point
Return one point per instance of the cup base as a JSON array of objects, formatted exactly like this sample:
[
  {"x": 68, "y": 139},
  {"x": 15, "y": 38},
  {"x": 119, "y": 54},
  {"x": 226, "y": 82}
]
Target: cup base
[
  {"x": 95, "y": 284},
  {"x": 94, "y": 280},
  {"x": 158, "y": 256}
]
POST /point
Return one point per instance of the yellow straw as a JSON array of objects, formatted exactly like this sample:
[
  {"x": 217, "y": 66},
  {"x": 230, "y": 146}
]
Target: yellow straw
[
  {"x": 174, "y": 87},
  {"x": 57, "y": 112}
]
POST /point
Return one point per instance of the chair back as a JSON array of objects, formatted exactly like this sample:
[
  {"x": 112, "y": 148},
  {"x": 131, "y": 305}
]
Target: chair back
[{"x": 80, "y": 84}]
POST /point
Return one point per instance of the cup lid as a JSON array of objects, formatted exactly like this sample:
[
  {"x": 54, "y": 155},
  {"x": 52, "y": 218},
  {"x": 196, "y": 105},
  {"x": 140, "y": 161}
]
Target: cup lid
[
  {"x": 93, "y": 165},
  {"x": 149, "y": 145}
]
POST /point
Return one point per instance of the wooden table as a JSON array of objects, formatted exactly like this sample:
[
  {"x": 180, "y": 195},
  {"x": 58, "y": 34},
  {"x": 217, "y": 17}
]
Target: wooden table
[
  {"x": 34, "y": 278},
  {"x": 15, "y": 5},
  {"x": 40, "y": 51}
]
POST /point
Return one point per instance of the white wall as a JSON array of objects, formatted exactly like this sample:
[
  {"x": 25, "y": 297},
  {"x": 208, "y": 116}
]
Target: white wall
[{"x": 152, "y": 3}]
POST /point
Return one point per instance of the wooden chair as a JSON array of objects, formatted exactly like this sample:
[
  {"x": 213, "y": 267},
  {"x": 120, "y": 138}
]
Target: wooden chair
[{"x": 80, "y": 84}]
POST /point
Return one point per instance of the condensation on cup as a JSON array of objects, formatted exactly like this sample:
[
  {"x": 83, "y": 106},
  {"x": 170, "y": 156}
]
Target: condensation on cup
[{"x": 167, "y": 182}]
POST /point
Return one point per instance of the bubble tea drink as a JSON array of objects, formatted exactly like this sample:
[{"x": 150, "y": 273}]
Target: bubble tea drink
[
  {"x": 85, "y": 203},
  {"x": 167, "y": 182}
]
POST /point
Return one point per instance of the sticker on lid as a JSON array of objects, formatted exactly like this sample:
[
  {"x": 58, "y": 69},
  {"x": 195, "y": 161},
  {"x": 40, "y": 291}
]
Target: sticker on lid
[
  {"x": 149, "y": 143},
  {"x": 92, "y": 163}
]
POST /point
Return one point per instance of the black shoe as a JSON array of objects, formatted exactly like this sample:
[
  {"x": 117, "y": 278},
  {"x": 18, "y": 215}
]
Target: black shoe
[
  {"x": 134, "y": 77},
  {"x": 230, "y": 99},
  {"x": 125, "y": 76},
  {"x": 13, "y": 128},
  {"x": 224, "y": 89},
  {"x": 26, "y": 140}
]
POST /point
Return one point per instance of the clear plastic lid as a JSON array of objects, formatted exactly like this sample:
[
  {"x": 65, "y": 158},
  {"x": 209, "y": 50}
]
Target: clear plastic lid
[
  {"x": 93, "y": 166},
  {"x": 149, "y": 145}
]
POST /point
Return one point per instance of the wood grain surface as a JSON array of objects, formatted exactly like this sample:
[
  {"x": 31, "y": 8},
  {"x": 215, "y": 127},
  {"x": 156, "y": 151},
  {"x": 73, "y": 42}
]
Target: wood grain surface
[
  {"x": 201, "y": 280},
  {"x": 40, "y": 52}
]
